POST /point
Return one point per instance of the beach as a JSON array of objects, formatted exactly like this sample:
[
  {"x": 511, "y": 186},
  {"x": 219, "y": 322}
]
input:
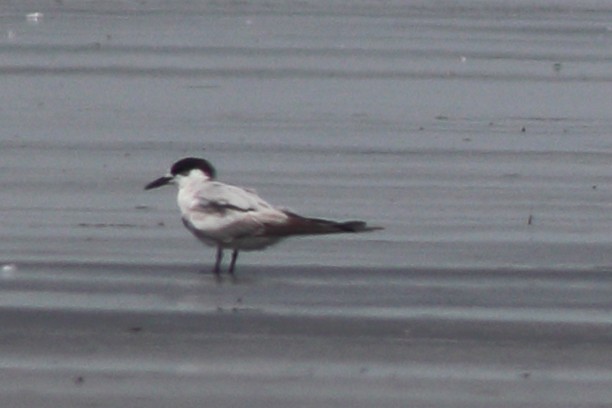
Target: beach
[{"x": 476, "y": 133}]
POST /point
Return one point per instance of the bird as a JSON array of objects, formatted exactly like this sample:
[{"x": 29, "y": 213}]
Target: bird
[{"x": 229, "y": 217}]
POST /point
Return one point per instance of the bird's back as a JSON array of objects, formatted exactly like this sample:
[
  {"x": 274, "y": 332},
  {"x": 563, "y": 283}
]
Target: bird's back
[{"x": 225, "y": 214}]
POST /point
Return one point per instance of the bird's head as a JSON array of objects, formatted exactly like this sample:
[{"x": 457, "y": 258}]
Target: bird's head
[{"x": 189, "y": 167}]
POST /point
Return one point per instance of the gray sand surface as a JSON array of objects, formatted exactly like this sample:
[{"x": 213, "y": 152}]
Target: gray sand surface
[
  {"x": 142, "y": 336},
  {"x": 478, "y": 133}
]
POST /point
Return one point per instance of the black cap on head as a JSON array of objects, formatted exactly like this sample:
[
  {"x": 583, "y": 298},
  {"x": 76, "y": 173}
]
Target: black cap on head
[{"x": 184, "y": 166}]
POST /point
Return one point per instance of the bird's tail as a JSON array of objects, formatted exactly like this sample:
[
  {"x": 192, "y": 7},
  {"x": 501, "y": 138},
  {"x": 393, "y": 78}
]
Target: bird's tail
[{"x": 298, "y": 225}]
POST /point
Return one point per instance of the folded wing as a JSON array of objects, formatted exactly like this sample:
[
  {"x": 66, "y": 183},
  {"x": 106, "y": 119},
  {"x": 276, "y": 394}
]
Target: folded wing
[
  {"x": 224, "y": 212},
  {"x": 299, "y": 225}
]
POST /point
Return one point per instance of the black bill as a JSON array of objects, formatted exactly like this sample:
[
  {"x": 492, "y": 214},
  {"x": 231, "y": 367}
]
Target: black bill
[{"x": 162, "y": 181}]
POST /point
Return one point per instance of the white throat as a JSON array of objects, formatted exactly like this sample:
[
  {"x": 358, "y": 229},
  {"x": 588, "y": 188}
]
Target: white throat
[{"x": 189, "y": 186}]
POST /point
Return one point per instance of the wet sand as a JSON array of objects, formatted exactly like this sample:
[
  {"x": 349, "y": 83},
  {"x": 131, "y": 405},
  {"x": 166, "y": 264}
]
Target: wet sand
[
  {"x": 158, "y": 336},
  {"x": 477, "y": 134}
]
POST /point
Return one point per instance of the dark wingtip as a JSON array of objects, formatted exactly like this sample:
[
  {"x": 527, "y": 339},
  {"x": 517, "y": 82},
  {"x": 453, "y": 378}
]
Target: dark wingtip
[{"x": 357, "y": 226}]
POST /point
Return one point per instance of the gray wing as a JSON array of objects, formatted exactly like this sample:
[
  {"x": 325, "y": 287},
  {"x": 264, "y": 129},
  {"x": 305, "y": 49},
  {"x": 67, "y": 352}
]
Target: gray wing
[
  {"x": 228, "y": 212},
  {"x": 220, "y": 197}
]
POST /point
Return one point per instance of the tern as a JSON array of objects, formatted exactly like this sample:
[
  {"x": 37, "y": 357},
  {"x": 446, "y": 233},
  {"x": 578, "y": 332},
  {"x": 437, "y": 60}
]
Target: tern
[{"x": 231, "y": 217}]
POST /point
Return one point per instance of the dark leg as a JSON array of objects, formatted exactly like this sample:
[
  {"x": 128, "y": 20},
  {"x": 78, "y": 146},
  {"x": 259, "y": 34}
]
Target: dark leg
[
  {"x": 217, "y": 268},
  {"x": 233, "y": 263}
]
